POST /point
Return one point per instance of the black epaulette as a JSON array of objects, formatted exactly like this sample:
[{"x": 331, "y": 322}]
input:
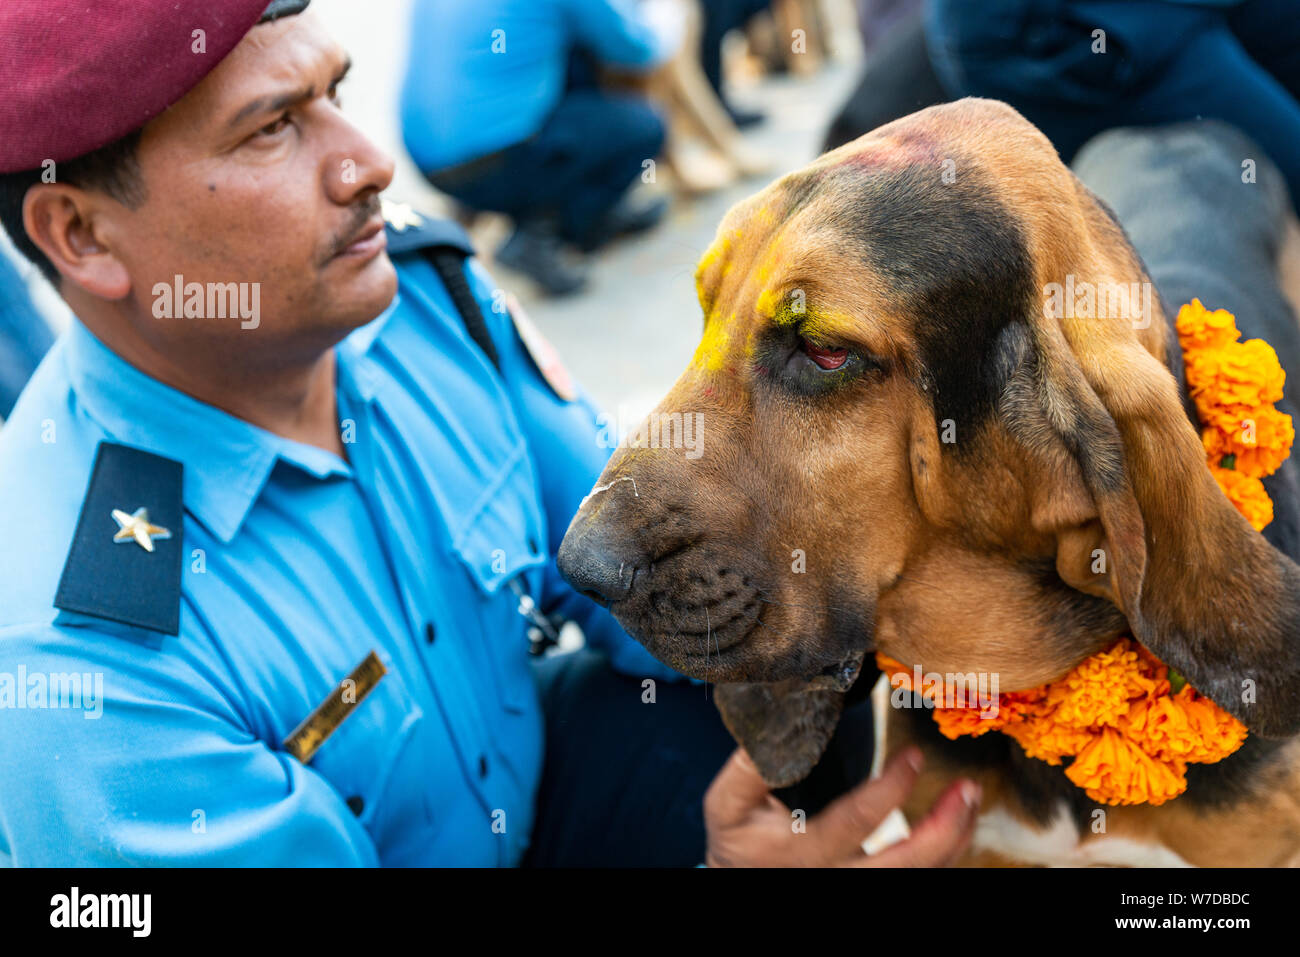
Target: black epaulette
[
  {"x": 409, "y": 230},
  {"x": 124, "y": 564},
  {"x": 446, "y": 245}
]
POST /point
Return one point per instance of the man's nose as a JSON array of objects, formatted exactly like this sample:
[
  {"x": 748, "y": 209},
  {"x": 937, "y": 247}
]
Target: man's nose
[
  {"x": 597, "y": 561},
  {"x": 355, "y": 165}
]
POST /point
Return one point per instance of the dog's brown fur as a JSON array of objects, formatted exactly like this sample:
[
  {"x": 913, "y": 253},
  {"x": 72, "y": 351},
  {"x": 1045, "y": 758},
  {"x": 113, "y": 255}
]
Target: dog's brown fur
[{"x": 925, "y": 249}]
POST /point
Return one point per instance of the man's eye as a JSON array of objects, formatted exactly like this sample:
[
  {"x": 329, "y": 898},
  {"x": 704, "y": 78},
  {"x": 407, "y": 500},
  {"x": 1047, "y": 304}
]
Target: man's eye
[{"x": 271, "y": 129}]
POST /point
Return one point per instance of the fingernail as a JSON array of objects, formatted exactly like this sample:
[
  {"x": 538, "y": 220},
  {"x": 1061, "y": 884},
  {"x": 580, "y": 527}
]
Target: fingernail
[
  {"x": 913, "y": 757},
  {"x": 970, "y": 793}
]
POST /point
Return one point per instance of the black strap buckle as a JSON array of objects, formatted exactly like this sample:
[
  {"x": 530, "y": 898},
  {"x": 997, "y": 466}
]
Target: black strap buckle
[{"x": 543, "y": 632}]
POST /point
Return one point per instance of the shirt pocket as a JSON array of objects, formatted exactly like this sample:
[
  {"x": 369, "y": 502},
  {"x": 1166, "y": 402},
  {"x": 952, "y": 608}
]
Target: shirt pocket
[
  {"x": 502, "y": 534},
  {"x": 368, "y": 761},
  {"x": 501, "y": 540}
]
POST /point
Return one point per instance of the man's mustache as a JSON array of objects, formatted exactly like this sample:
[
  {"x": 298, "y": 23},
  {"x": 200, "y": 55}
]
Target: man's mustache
[{"x": 361, "y": 216}]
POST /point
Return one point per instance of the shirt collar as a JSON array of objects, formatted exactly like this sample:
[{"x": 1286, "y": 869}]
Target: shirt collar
[
  {"x": 358, "y": 375},
  {"x": 227, "y": 460}
]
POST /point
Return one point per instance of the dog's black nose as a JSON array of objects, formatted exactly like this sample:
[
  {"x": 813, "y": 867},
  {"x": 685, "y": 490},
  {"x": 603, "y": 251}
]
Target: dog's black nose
[{"x": 593, "y": 563}]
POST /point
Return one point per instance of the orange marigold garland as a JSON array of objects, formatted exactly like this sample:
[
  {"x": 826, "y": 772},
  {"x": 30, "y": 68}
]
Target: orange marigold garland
[
  {"x": 1234, "y": 385},
  {"x": 1129, "y": 724},
  {"x": 1116, "y": 714}
]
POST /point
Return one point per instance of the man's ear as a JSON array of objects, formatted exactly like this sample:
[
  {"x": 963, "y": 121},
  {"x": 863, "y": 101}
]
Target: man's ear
[
  {"x": 67, "y": 224},
  {"x": 1200, "y": 587}
]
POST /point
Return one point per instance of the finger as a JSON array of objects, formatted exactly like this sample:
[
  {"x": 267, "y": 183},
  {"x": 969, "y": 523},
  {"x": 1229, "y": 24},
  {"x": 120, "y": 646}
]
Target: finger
[
  {"x": 849, "y": 820},
  {"x": 735, "y": 792},
  {"x": 969, "y": 793},
  {"x": 942, "y": 836}
]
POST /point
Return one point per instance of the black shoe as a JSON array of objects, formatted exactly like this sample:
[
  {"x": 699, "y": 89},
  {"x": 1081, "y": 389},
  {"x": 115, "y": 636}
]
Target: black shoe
[
  {"x": 742, "y": 117},
  {"x": 538, "y": 253},
  {"x": 625, "y": 219}
]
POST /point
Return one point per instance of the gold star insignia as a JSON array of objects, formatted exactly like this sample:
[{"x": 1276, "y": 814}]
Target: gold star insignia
[
  {"x": 136, "y": 527},
  {"x": 400, "y": 215}
]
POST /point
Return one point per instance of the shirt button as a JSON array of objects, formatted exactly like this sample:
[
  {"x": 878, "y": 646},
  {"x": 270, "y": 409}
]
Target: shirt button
[
  {"x": 482, "y": 766},
  {"x": 430, "y": 633},
  {"x": 357, "y": 804}
]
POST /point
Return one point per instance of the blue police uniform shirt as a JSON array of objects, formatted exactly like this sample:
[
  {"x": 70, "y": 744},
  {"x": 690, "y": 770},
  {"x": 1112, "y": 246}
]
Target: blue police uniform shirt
[{"x": 297, "y": 564}]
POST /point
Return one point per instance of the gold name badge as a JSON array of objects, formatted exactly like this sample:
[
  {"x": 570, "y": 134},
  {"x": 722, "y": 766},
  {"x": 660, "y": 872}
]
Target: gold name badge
[{"x": 307, "y": 738}]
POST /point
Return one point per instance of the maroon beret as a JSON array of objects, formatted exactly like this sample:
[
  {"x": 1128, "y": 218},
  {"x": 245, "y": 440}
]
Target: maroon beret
[{"x": 79, "y": 74}]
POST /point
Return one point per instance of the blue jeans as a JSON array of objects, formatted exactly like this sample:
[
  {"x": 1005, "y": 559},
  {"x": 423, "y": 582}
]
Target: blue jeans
[{"x": 574, "y": 170}]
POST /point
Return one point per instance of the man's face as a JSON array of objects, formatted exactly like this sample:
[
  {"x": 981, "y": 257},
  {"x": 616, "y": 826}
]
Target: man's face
[{"x": 255, "y": 176}]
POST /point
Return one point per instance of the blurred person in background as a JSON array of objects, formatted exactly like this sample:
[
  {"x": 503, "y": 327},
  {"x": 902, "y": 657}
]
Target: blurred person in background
[
  {"x": 897, "y": 77},
  {"x": 720, "y": 18},
  {"x": 1077, "y": 67},
  {"x": 25, "y": 336},
  {"x": 501, "y": 110},
  {"x": 877, "y": 19}
]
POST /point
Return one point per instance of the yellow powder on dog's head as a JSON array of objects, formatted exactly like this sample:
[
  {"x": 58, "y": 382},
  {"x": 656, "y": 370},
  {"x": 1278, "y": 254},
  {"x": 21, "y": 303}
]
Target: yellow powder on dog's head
[
  {"x": 720, "y": 248},
  {"x": 790, "y": 309},
  {"x": 711, "y": 353},
  {"x": 826, "y": 327}
]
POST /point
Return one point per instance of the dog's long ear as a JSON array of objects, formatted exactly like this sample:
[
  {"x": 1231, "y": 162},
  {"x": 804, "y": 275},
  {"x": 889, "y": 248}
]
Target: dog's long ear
[
  {"x": 1200, "y": 587},
  {"x": 784, "y": 726}
]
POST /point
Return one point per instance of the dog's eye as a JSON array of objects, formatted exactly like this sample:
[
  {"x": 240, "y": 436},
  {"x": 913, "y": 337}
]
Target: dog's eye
[
  {"x": 827, "y": 358},
  {"x": 809, "y": 365},
  {"x": 819, "y": 368}
]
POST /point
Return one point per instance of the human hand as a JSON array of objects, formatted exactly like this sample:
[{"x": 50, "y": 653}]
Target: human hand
[{"x": 748, "y": 827}]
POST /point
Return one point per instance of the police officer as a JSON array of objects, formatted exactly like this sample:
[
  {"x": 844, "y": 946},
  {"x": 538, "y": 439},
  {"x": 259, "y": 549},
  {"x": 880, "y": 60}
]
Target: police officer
[{"x": 281, "y": 506}]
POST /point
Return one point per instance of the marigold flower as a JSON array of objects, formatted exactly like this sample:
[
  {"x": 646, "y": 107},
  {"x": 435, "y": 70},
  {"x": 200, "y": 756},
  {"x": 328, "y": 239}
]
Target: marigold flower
[
  {"x": 1258, "y": 439},
  {"x": 1199, "y": 328},
  {"x": 1214, "y": 733},
  {"x": 1159, "y": 726},
  {"x": 1240, "y": 373},
  {"x": 1247, "y": 495},
  {"x": 955, "y": 722},
  {"x": 1115, "y": 770},
  {"x": 1256, "y": 451},
  {"x": 1047, "y": 741},
  {"x": 1024, "y": 705},
  {"x": 1202, "y": 372},
  {"x": 1098, "y": 690},
  {"x": 889, "y": 665}
]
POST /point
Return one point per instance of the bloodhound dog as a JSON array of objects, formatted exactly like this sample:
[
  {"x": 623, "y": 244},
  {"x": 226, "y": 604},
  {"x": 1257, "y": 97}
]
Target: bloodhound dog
[{"x": 904, "y": 451}]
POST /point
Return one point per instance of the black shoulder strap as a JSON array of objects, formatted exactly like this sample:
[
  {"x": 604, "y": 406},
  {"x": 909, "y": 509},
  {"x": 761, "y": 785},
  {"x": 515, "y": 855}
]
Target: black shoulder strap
[
  {"x": 446, "y": 246},
  {"x": 124, "y": 563}
]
